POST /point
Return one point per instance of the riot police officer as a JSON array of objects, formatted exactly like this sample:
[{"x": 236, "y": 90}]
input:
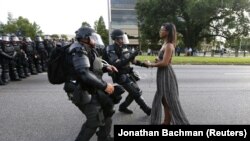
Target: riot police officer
[
  {"x": 1, "y": 82},
  {"x": 121, "y": 56},
  {"x": 42, "y": 55},
  {"x": 29, "y": 49},
  {"x": 19, "y": 57},
  {"x": 48, "y": 43},
  {"x": 80, "y": 62},
  {"x": 7, "y": 53}
]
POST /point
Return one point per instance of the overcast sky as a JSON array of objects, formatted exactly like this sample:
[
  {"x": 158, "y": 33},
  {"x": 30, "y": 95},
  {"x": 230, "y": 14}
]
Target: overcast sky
[{"x": 56, "y": 16}]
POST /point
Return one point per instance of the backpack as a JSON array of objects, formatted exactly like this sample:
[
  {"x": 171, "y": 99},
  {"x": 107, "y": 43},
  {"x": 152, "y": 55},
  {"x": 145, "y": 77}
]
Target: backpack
[{"x": 57, "y": 71}]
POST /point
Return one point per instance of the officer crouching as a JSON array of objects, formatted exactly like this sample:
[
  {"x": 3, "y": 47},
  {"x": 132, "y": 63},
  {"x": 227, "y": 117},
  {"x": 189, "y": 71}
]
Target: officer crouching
[{"x": 86, "y": 88}]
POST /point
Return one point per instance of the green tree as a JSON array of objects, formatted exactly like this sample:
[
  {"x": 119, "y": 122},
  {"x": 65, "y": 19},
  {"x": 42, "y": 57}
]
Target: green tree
[
  {"x": 194, "y": 19},
  {"x": 21, "y": 27},
  {"x": 55, "y": 36},
  {"x": 100, "y": 28},
  {"x": 64, "y": 37},
  {"x": 85, "y": 24},
  {"x": 1, "y": 28}
]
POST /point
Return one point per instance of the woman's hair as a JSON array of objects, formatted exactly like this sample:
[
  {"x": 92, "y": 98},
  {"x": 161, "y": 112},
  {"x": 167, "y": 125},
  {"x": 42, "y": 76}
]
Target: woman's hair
[{"x": 170, "y": 27}]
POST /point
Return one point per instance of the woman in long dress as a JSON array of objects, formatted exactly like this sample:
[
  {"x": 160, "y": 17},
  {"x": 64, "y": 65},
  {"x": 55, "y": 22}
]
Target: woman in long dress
[{"x": 167, "y": 93}]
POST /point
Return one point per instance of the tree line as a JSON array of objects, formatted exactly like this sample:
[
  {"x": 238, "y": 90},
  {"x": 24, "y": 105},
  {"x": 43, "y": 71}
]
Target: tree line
[
  {"x": 197, "y": 21},
  {"x": 23, "y": 27}
]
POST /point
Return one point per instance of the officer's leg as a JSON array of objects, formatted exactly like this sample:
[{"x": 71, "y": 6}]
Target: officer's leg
[
  {"x": 19, "y": 66},
  {"x": 25, "y": 65},
  {"x": 31, "y": 65},
  {"x": 44, "y": 61},
  {"x": 94, "y": 118},
  {"x": 1, "y": 82},
  {"x": 38, "y": 63},
  {"x": 104, "y": 131},
  {"x": 5, "y": 72},
  {"x": 124, "y": 106},
  {"x": 13, "y": 71},
  {"x": 135, "y": 92}
]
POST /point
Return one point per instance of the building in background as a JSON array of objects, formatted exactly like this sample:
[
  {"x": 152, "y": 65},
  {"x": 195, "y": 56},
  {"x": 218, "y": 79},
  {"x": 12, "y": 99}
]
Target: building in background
[{"x": 122, "y": 15}]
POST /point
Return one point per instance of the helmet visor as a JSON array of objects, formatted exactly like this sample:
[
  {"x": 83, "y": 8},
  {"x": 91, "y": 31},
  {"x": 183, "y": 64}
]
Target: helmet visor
[
  {"x": 125, "y": 39},
  {"x": 27, "y": 39},
  {"x": 6, "y": 38},
  {"x": 39, "y": 39},
  {"x": 97, "y": 39},
  {"x": 15, "y": 39},
  {"x": 47, "y": 37}
]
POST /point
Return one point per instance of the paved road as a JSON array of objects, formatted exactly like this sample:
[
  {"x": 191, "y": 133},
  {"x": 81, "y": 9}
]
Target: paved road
[{"x": 34, "y": 110}]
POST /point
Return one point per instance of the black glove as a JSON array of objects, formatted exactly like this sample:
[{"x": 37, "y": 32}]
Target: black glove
[
  {"x": 117, "y": 95},
  {"x": 133, "y": 55},
  {"x": 139, "y": 63},
  {"x": 144, "y": 65}
]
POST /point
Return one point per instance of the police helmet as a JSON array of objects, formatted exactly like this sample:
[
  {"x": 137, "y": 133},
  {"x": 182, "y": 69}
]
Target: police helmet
[
  {"x": 5, "y": 38},
  {"x": 14, "y": 38},
  {"x": 47, "y": 37},
  {"x": 38, "y": 38},
  {"x": 89, "y": 33},
  {"x": 117, "y": 33},
  {"x": 84, "y": 32}
]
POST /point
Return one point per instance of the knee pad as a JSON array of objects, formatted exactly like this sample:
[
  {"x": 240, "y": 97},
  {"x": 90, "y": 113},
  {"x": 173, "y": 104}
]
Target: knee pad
[
  {"x": 133, "y": 89},
  {"x": 96, "y": 119}
]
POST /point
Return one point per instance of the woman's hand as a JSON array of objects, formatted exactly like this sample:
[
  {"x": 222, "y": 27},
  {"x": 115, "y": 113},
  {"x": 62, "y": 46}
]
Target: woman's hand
[
  {"x": 148, "y": 63},
  {"x": 156, "y": 60}
]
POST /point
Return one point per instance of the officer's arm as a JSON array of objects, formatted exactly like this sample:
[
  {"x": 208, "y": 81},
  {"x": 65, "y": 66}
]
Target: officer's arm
[
  {"x": 81, "y": 66},
  {"x": 117, "y": 62},
  {"x": 5, "y": 55},
  {"x": 139, "y": 63}
]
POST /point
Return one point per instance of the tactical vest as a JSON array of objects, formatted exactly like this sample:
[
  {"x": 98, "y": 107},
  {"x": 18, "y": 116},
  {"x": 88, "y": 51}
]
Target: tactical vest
[
  {"x": 8, "y": 49},
  {"x": 29, "y": 48}
]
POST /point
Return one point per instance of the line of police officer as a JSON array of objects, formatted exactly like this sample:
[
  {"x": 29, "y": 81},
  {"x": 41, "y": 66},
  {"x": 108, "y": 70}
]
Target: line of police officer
[{"x": 20, "y": 57}]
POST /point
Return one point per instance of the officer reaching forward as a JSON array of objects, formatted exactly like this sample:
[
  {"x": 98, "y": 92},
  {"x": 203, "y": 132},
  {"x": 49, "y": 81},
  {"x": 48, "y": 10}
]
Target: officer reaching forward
[{"x": 119, "y": 55}]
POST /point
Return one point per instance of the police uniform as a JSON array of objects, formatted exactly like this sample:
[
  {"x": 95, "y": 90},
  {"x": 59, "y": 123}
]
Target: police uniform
[{"x": 121, "y": 57}]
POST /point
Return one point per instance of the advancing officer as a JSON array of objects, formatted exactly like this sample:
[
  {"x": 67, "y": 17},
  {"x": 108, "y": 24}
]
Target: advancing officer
[
  {"x": 80, "y": 63},
  {"x": 120, "y": 56}
]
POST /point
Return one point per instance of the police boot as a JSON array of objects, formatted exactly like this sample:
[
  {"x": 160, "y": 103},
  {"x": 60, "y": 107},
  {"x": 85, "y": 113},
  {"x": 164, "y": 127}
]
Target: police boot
[
  {"x": 5, "y": 76},
  {"x": 124, "y": 106},
  {"x": 26, "y": 71},
  {"x": 20, "y": 72},
  {"x": 1, "y": 82},
  {"x": 143, "y": 105},
  {"x": 14, "y": 76},
  {"x": 44, "y": 67},
  {"x": 85, "y": 133},
  {"x": 33, "y": 69},
  {"x": 39, "y": 68},
  {"x": 104, "y": 131}
]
